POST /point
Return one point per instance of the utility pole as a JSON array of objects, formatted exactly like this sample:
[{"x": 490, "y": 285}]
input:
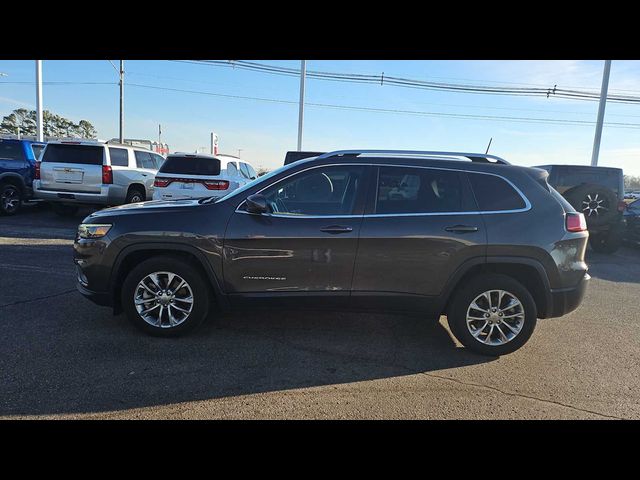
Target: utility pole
[
  {"x": 239, "y": 150},
  {"x": 603, "y": 103},
  {"x": 159, "y": 136},
  {"x": 39, "y": 126},
  {"x": 121, "y": 101},
  {"x": 303, "y": 74}
]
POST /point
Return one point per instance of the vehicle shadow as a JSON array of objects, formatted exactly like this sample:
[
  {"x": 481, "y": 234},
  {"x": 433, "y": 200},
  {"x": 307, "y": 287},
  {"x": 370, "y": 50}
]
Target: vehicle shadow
[
  {"x": 614, "y": 267},
  {"x": 80, "y": 359}
]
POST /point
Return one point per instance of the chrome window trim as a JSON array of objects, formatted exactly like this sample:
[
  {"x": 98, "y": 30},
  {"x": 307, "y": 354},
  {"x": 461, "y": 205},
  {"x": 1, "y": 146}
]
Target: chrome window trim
[{"x": 526, "y": 208}]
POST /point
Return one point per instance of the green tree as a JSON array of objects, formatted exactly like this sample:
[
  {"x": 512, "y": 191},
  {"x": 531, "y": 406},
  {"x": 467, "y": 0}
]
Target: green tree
[
  {"x": 19, "y": 121},
  {"x": 23, "y": 121},
  {"x": 86, "y": 130}
]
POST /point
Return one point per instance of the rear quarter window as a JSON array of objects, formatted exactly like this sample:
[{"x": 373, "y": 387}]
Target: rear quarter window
[
  {"x": 76, "y": 154},
  {"x": 494, "y": 193},
  {"x": 37, "y": 150},
  {"x": 191, "y": 166},
  {"x": 119, "y": 157}
]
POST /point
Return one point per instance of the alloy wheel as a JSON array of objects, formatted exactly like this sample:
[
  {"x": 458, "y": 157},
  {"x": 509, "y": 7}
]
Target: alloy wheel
[
  {"x": 10, "y": 200},
  {"x": 495, "y": 317},
  {"x": 163, "y": 299}
]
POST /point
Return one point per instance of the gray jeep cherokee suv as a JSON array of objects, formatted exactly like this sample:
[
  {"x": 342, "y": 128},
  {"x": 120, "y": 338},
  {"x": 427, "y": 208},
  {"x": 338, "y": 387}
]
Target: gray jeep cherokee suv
[{"x": 489, "y": 244}]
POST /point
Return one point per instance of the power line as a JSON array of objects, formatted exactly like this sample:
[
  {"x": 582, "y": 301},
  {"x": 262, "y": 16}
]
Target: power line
[
  {"x": 552, "y": 121},
  {"x": 548, "y": 92}
]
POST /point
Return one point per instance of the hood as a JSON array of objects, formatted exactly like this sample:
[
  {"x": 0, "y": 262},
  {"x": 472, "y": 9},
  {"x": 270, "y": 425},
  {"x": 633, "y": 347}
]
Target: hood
[{"x": 145, "y": 207}]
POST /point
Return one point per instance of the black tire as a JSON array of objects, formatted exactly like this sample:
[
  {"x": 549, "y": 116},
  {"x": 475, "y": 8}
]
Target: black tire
[
  {"x": 457, "y": 314},
  {"x": 609, "y": 201},
  {"x": 135, "y": 195},
  {"x": 606, "y": 242},
  {"x": 199, "y": 291},
  {"x": 10, "y": 199},
  {"x": 64, "y": 210}
]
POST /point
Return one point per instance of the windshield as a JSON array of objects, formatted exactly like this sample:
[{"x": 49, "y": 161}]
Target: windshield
[{"x": 265, "y": 178}]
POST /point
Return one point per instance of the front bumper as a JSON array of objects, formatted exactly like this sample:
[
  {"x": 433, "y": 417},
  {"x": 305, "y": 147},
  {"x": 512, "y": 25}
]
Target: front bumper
[
  {"x": 99, "y": 298},
  {"x": 565, "y": 300}
]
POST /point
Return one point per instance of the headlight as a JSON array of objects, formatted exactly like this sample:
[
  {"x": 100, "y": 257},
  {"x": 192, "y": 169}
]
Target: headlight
[{"x": 93, "y": 230}]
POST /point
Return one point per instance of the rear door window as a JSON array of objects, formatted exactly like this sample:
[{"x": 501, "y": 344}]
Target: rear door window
[
  {"x": 11, "y": 151},
  {"x": 157, "y": 160},
  {"x": 119, "y": 157},
  {"x": 232, "y": 169},
  {"x": 76, "y": 154},
  {"x": 419, "y": 190},
  {"x": 494, "y": 193},
  {"x": 191, "y": 166}
]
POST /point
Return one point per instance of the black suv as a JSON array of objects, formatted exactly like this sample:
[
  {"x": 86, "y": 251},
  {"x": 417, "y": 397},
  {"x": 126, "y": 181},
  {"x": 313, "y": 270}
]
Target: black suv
[
  {"x": 597, "y": 192},
  {"x": 490, "y": 245}
]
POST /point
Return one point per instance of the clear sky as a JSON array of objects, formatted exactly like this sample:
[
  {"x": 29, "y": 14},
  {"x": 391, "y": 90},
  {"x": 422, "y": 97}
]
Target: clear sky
[{"x": 265, "y": 130}]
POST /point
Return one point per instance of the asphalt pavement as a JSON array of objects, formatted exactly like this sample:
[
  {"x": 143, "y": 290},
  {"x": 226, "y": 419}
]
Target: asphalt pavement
[{"x": 63, "y": 357}]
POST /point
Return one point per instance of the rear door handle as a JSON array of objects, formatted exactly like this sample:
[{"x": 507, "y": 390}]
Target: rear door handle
[
  {"x": 461, "y": 229},
  {"x": 335, "y": 229}
]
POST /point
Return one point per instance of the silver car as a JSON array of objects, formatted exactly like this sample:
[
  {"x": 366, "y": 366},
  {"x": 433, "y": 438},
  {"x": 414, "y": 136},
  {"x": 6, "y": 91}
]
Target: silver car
[{"x": 92, "y": 172}]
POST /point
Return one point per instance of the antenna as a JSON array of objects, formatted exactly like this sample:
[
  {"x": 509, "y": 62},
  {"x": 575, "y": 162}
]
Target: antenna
[{"x": 488, "y": 145}]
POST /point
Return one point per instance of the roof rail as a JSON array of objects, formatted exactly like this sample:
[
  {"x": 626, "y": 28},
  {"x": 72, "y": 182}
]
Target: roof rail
[{"x": 474, "y": 157}]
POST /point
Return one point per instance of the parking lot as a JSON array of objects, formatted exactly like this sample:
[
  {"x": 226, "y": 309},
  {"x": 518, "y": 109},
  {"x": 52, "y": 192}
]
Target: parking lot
[{"x": 63, "y": 357}]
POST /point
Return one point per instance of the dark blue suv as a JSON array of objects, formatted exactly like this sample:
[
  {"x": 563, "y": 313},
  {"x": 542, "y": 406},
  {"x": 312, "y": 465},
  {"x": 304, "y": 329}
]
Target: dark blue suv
[{"x": 17, "y": 171}]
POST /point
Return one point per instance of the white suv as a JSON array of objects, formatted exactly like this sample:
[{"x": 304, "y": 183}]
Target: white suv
[
  {"x": 93, "y": 172},
  {"x": 198, "y": 175}
]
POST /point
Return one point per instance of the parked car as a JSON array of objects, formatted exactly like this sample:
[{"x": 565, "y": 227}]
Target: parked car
[
  {"x": 490, "y": 245},
  {"x": 198, "y": 175},
  {"x": 17, "y": 170},
  {"x": 632, "y": 222},
  {"x": 597, "y": 192},
  {"x": 89, "y": 172},
  {"x": 632, "y": 195}
]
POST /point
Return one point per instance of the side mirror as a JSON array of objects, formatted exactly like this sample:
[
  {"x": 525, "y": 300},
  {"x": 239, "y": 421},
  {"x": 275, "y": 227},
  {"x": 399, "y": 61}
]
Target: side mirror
[{"x": 256, "y": 203}]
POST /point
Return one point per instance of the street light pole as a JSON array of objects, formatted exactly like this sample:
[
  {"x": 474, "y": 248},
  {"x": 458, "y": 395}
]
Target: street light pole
[
  {"x": 303, "y": 74},
  {"x": 39, "y": 129},
  {"x": 603, "y": 103},
  {"x": 121, "y": 101}
]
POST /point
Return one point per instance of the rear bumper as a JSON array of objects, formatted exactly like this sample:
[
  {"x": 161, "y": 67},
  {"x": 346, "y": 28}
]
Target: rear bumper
[
  {"x": 565, "y": 300},
  {"x": 108, "y": 195}
]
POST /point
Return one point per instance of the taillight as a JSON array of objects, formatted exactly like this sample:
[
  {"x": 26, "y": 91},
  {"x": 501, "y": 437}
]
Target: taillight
[
  {"x": 216, "y": 184},
  {"x": 162, "y": 182},
  {"x": 36, "y": 175},
  {"x": 107, "y": 174},
  {"x": 576, "y": 222},
  {"x": 622, "y": 206}
]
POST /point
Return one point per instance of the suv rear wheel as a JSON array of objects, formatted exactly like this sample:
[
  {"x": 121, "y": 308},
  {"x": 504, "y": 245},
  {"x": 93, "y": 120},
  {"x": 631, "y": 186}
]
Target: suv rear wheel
[
  {"x": 165, "y": 297},
  {"x": 10, "y": 199},
  {"x": 606, "y": 242},
  {"x": 492, "y": 315},
  {"x": 135, "y": 195}
]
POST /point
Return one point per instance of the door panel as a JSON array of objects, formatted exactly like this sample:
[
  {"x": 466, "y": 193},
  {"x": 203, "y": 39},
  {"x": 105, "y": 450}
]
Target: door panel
[
  {"x": 304, "y": 244},
  {"x": 422, "y": 223}
]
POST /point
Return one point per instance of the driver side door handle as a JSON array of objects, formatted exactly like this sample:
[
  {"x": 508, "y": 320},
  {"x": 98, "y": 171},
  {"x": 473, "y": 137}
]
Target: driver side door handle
[
  {"x": 461, "y": 228},
  {"x": 336, "y": 229}
]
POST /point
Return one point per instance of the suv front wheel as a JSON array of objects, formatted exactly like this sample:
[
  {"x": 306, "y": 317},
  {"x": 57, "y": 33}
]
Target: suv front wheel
[
  {"x": 165, "y": 297},
  {"x": 492, "y": 315}
]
